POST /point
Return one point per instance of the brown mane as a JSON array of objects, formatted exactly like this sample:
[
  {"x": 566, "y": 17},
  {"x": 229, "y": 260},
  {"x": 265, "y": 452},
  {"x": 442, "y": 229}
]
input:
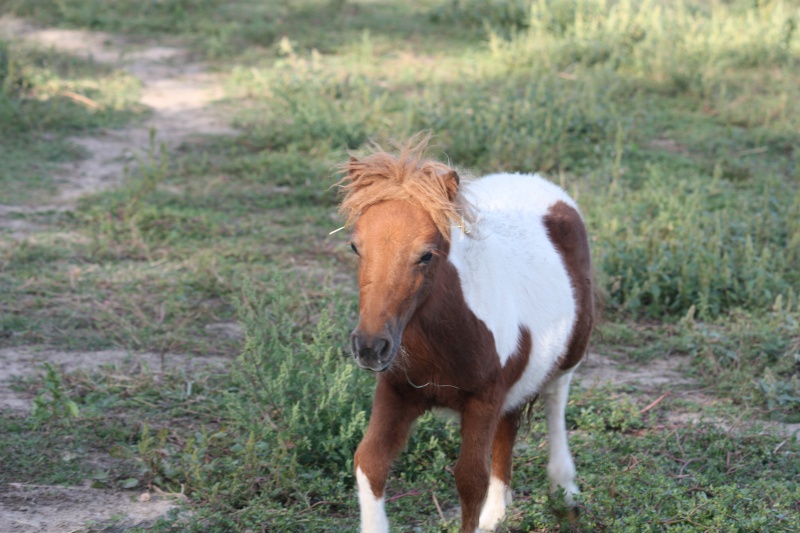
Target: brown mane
[{"x": 381, "y": 176}]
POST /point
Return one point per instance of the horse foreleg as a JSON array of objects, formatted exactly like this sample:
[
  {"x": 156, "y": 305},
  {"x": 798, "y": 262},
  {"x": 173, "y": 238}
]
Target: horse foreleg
[
  {"x": 499, "y": 493},
  {"x": 560, "y": 468},
  {"x": 386, "y": 435},
  {"x": 478, "y": 424}
]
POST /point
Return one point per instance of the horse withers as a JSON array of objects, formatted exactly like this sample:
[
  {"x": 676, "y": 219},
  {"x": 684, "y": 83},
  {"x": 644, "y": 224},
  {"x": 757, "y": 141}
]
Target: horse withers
[{"x": 474, "y": 296}]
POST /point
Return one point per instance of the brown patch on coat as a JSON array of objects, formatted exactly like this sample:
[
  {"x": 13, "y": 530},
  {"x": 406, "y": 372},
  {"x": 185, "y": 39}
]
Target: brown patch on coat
[
  {"x": 503, "y": 446},
  {"x": 446, "y": 344},
  {"x": 518, "y": 361},
  {"x": 567, "y": 232}
]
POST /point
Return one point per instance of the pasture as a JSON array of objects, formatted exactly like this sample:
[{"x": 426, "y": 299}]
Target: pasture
[{"x": 178, "y": 328}]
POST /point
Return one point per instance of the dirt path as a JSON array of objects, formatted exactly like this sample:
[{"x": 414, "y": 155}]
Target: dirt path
[
  {"x": 177, "y": 89},
  {"x": 55, "y": 509},
  {"x": 179, "y": 92}
]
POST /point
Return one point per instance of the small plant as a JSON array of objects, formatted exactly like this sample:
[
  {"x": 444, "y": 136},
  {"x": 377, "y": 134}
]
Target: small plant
[
  {"x": 604, "y": 410},
  {"x": 53, "y": 403}
]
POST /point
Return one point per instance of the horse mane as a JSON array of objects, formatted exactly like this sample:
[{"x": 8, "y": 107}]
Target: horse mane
[{"x": 381, "y": 176}]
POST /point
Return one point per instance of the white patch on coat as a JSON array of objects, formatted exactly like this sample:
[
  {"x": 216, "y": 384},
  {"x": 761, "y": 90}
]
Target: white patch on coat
[
  {"x": 512, "y": 275},
  {"x": 494, "y": 508},
  {"x": 373, "y": 513}
]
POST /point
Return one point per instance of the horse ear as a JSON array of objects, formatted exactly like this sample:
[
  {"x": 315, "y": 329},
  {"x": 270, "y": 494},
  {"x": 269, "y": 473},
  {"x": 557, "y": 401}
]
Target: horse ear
[
  {"x": 350, "y": 164},
  {"x": 451, "y": 182}
]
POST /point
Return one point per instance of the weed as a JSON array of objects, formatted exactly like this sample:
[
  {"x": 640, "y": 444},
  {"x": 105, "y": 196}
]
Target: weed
[
  {"x": 752, "y": 360},
  {"x": 505, "y": 15},
  {"x": 53, "y": 403}
]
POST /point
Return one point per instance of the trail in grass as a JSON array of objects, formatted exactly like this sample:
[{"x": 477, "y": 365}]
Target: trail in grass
[
  {"x": 179, "y": 93},
  {"x": 178, "y": 90},
  {"x": 52, "y": 509}
]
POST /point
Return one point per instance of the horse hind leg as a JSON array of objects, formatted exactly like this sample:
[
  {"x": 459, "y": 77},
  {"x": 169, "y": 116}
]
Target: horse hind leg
[
  {"x": 560, "y": 468},
  {"x": 499, "y": 494}
]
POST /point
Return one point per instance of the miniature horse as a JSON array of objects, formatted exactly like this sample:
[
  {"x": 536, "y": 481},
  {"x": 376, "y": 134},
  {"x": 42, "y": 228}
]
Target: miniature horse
[{"x": 474, "y": 297}]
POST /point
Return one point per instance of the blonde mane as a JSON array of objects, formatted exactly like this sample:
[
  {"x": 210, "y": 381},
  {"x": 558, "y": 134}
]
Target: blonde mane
[{"x": 381, "y": 176}]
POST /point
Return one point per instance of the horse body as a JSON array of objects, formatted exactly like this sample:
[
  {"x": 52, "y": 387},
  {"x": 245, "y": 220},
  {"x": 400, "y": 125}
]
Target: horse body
[
  {"x": 513, "y": 276},
  {"x": 478, "y": 323}
]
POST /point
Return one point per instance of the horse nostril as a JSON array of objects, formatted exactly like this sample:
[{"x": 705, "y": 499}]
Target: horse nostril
[
  {"x": 383, "y": 349},
  {"x": 370, "y": 351}
]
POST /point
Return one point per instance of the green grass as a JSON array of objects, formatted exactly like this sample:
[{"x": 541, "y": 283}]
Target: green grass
[
  {"x": 218, "y": 29},
  {"x": 671, "y": 124}
]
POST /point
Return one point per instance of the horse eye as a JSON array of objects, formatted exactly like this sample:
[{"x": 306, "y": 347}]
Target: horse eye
[
  {"x": 426, "y": 259},
  {"x": 353, "y": 247}
]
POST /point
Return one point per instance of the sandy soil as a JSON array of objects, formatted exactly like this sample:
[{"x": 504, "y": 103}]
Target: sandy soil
[
  {"x": 26, "y": 361},
  {"x": 598, "y": 370},
  {"x": 53, "y": 509}
]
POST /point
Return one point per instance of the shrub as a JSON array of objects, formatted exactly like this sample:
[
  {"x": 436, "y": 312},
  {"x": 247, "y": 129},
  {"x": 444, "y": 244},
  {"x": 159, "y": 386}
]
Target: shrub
[{"x": 679, "y": 242}]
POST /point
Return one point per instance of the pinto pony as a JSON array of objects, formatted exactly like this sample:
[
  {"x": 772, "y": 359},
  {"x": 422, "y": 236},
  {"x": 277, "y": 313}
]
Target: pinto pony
[{"x": 474, "y": 297}]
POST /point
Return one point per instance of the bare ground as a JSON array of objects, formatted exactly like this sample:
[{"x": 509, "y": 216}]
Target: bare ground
[
  {"x": 656, "y": 375},
  {"x": 25, "y": 362},
  {"x": 179, "y": 93},
  {"x": 55, "y": 509},
  {"x": 665, "y": 379}
]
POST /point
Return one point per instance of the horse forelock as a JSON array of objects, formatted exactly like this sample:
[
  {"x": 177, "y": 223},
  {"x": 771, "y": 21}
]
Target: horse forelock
[{"x": 382, "y": 176}]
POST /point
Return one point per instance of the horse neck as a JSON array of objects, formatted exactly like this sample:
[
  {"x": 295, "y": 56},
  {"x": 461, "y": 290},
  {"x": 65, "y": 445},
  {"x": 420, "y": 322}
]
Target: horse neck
[
  {"x": 444, "y": 323},
  {"x": 447, "y": 344}
]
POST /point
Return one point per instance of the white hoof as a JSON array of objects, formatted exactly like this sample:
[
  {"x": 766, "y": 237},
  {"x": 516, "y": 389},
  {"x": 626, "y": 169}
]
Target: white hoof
[{"x": 570, "y": 491}]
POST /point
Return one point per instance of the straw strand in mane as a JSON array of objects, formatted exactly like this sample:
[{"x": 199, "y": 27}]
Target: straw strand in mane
[{"x": 381, "y": 176}]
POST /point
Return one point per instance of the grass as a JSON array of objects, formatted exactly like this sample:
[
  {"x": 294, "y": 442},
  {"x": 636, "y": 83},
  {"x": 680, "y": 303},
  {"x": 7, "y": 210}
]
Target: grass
[
  {"x": 671, "y": 124},
  {"x": 221, "y": 30}
]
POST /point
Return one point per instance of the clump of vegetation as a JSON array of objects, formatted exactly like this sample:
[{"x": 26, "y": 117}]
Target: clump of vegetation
[
  {"x": 54, "y": 402},
  {"x": 508, "y": 15}
]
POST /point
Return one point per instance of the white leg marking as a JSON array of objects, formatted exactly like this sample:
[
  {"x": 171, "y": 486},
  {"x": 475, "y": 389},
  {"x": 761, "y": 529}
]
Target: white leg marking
[
  {"x": 560, "y": 468},
  {"x": 373, "y": 514},
  {"x": 494, "y": 508}
]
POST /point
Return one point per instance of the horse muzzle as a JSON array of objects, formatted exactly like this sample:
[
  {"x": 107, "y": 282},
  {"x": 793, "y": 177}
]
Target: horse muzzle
[{"x": 373, "y": 352}]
